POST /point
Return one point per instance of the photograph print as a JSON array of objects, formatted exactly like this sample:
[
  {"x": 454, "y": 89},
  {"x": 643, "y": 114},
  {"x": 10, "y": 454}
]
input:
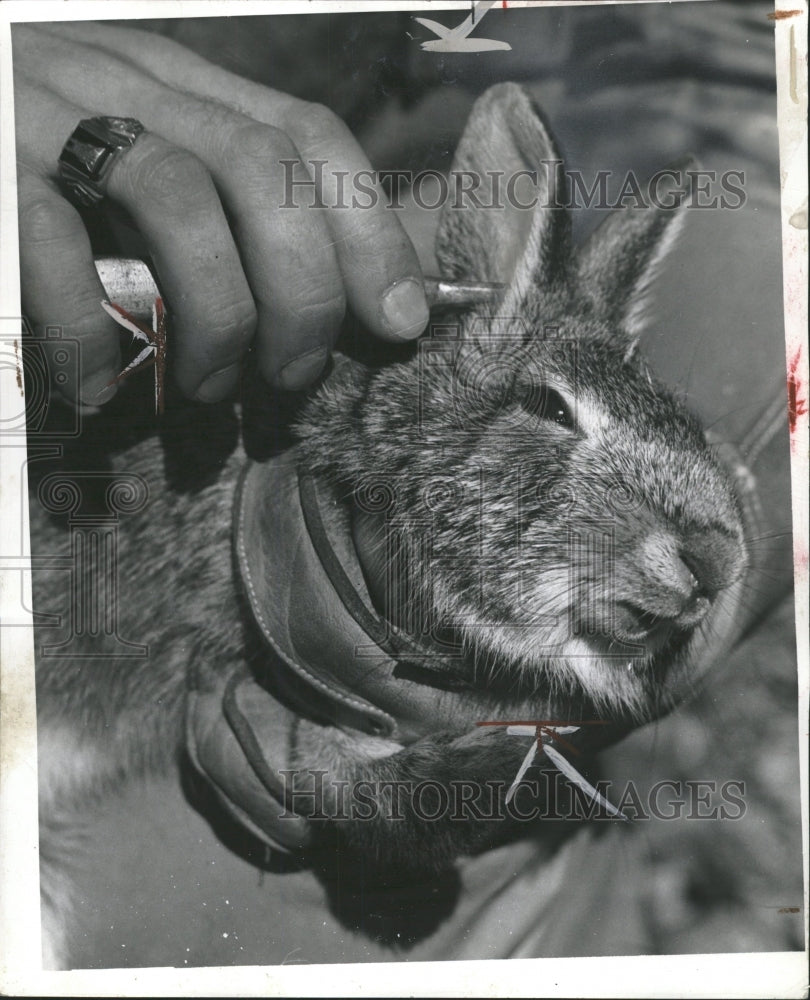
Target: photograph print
[{"x": 409, "y": 485}]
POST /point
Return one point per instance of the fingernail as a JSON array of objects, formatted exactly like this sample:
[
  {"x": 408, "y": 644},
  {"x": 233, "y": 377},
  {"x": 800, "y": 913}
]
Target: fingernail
[
  {"x": 405, "y": 309},
  {"x": 217, "y": 386},
  {"x": 303, "y": 370}
]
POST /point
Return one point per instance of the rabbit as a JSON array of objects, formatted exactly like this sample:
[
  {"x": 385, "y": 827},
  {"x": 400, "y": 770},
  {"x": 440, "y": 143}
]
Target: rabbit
[
  {"x": 547, "y": 398},
  {"x": 584, "y": 562}
]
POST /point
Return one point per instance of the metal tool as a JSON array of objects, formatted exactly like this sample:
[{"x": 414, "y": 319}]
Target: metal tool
[
  {"x": 129, "y": 283},
  {"x": 442, "y": 294}
]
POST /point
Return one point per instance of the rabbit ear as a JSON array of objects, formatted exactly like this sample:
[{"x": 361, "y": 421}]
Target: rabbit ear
[
  {"x": 505, "y": 138},
  {"x": 619, "y": 262}
]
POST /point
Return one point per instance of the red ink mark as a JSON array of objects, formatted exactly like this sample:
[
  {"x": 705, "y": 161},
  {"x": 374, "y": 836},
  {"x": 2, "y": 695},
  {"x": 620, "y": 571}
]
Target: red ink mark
[
  {"x": 545, "y": 722},
  {"x": 548, "y": 728},
  {"x": 154, "y": 353},
  {"x": 779, "y": 15},
  {"x": 17, "y": 364},
  {"x": 797, "y": 407},
  {"x": 503, "y": 4},
  {"x": 160, "y": 353}
]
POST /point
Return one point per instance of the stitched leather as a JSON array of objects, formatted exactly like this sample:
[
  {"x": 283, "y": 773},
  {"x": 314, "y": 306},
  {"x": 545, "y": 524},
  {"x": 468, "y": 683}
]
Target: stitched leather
[{"x": 329, "y": 656}]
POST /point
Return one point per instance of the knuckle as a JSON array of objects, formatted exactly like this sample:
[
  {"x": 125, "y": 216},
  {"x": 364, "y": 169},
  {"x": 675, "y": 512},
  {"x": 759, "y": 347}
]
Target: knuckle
[
  {"x": 166, "y": 173},
  {"x": 45, "y": 220},
  {"x": 377, "y": 245},
  {"x": 255, "y": 141},
  {"x": 364, "y": 232},
  {"x": 232, "y": 322},
  {"x": 85, "y": 317},
  {"x": 313, "y": 123},
  {"x": 318, "y": 117},
  {"x": 321, "y": 307}
]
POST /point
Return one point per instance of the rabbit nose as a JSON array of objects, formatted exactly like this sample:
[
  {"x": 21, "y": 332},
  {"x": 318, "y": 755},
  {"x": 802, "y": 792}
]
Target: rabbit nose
[
  {"x": 662, "y": 608},
  {"x": 713, "y": 557},
  {"x": 681, "y": 578},
  {"x": 696, "y": 597},
  {"x": 667, "y": 576}
]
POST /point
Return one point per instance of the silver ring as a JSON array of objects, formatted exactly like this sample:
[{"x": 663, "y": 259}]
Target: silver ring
[{"x": 90, "y": 152}]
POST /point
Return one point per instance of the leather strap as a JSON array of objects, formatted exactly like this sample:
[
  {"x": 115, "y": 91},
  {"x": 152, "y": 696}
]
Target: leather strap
[
  {"x": 439, "y": 670},
  {"x": 331, "y": 656},
  {"x": 275, "y": 556},
  {"x": 343, "y": 675},
  {"x": 237, "y": 739}
]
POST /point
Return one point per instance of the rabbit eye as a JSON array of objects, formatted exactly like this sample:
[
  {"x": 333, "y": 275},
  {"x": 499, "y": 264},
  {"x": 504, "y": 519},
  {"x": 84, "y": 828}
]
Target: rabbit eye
[{"x": 547, "y": 404}]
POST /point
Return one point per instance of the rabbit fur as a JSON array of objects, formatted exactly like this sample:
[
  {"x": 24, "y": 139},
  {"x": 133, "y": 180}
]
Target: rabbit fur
[{"x": 541, "y": 420}]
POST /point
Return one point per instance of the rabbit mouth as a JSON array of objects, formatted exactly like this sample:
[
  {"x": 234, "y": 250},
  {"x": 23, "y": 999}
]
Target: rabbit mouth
[
  {"x": 643, "y": 631},
  {"x": 635, "y": 626},
  {"x": 614, "y": 656}
]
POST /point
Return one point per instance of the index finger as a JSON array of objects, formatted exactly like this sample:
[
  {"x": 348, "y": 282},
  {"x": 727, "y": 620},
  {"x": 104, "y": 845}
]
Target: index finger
[{"x": 380, "y": 268}]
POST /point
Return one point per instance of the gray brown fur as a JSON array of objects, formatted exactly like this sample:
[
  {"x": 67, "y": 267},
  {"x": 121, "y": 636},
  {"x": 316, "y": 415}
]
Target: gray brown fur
[{"x": 100, "y": 724}]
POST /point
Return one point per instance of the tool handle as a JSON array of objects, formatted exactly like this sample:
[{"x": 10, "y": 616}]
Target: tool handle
[{"x": 129, "y": 283}]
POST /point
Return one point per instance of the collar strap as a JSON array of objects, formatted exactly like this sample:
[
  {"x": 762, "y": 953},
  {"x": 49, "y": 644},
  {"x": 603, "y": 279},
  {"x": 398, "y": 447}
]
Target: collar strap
[
  {"x": 278, "y": 566},
  {"x": 434, "y": 669},
  {"x": 333, "y": 656}
]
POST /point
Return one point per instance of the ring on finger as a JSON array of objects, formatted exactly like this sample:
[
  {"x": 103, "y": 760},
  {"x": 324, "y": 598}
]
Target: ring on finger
[{"x": 89, "y": 154}]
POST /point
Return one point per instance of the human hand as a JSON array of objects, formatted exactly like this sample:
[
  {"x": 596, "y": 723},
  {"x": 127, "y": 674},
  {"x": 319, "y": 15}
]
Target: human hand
[{"x": 204, "y": 186}]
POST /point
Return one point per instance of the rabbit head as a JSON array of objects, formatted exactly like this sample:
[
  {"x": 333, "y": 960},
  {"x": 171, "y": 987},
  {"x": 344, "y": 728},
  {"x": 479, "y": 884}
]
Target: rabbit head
[{"x": 521, "y": 486}]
